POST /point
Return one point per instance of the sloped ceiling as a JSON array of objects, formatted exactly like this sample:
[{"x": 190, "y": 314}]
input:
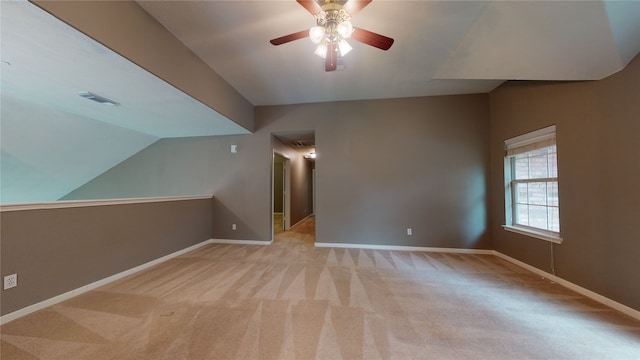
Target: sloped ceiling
[
  {"x": 441, "y": 47},
  {"x": 53, "y": 141}
]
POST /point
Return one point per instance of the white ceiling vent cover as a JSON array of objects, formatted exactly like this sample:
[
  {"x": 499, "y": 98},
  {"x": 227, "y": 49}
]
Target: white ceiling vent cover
[{"x": 98, "y": 98}]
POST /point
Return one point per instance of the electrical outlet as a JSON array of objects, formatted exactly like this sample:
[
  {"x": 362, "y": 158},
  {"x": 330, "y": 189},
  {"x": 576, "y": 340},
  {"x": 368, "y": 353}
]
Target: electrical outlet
[
  {"x": 409, "y": 231},
  {"x": 10, "y": 281},
  {"x": 233, "y": 227}
]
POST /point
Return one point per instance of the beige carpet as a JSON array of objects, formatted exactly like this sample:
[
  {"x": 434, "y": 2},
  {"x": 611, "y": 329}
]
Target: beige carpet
[
  {"x": 293, "y": 301},
  {"x": 304, "y": 232}
]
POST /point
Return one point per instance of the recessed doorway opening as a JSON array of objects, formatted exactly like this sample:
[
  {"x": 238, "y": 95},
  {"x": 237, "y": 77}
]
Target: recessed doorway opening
[{"x": 293, "y": 187}]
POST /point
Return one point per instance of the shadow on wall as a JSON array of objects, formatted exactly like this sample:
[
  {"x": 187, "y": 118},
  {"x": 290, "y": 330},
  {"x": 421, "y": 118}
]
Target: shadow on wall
[{"x": 475, "y": 227}]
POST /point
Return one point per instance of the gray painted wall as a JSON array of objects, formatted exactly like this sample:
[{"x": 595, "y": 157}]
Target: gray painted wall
[
  {"x": 278, "y": 185},
  {"x": 598, "y": 137},
  {"x": 382, "y": 166},
  {"x": 54, "y": 251},
  {"x": 385, "y": 165},
  {"x": 200, "y": 166}
]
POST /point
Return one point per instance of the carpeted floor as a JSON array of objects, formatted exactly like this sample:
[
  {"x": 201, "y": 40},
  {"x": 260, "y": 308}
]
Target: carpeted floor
[
  {"x": 304, "y": 232},
  {"x": 293, "y": 301}
]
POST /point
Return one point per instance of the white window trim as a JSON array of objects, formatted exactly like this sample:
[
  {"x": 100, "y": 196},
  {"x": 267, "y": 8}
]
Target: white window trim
[
  {"x": 531, "y": 137},
  {"x": 522, "y": 140},
  {"x": 534, "y": 233}
]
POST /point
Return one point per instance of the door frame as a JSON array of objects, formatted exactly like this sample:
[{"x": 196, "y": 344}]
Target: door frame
[{"x": 286, "y": 191}]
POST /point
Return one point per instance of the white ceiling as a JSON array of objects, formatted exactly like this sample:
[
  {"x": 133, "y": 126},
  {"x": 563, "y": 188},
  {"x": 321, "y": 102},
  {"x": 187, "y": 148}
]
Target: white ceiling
[
  {"x": 53, "y": 141},
  {"x": 441, "y": 47},
  {"x": 52, "y": 62}
]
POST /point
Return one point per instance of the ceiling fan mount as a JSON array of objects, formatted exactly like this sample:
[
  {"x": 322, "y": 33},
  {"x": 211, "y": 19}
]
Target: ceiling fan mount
[{"x": 333, "y": 28}]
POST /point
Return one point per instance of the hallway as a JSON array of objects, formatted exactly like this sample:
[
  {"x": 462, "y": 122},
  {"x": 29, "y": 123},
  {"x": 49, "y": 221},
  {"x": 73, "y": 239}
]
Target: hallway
[{"x": 303, "y": 232}]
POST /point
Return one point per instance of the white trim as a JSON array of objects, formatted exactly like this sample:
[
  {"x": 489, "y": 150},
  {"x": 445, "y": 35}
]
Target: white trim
[
  {"x": 571, "y": 286},
  {"x": 95, "y": 202},
  {"x": 70, "y": 294},
  {"x": 406, "y": 248},
  {"x": 532, "y": 233},
  {"x": 531, "y": 137},
  {"x": 241, "y": 242},
  {"x": 94, "y": 285}
]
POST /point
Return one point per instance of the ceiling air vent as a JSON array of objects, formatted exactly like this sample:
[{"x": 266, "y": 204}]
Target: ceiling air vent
[
  {"x": 303, "y": 143},
  {"x": 98, "y": 98}
]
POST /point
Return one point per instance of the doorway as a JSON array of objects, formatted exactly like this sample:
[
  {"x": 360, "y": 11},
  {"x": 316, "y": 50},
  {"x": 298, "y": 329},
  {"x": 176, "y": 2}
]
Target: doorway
[
  {"x": 293, "y": 213},
  {"x": 281, "y": 190}
]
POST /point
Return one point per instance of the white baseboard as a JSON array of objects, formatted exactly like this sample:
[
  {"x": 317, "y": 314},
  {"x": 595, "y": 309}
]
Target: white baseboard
[
  {"x": 407, "y": 248},
  {"x": 577, "y": 288},
  {"x": 240, "y": 242},
  {"x": 81, "y": 290},
  {"x": 70, "y": 294},
  {"x": 571, "y": 286}
]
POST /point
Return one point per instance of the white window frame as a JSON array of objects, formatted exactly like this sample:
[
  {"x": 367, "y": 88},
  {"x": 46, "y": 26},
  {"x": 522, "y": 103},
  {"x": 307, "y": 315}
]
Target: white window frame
[{"x": 522, "y": 144}]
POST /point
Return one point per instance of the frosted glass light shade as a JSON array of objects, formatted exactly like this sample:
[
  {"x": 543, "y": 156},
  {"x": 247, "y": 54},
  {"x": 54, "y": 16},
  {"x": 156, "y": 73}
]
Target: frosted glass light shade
[
  {"x": 316, "y": 34},
  {"x": 345, "y": 29},
  {"x": 321, "y": 51},
  {"x": 344, "y": 47}
]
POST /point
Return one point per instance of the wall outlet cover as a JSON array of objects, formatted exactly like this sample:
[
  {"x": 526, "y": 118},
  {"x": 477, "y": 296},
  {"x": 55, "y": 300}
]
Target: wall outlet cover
[{"x": 10, "y": 281}]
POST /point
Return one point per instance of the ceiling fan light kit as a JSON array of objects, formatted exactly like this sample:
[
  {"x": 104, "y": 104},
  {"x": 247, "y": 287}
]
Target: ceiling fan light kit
[{"x": 333, "y": 28}]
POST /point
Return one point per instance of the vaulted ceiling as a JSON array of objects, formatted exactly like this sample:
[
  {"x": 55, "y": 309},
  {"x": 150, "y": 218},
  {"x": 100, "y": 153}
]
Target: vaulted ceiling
[
  {"x": 441, "y": 47},
  {"x": 53, "y": 141}
]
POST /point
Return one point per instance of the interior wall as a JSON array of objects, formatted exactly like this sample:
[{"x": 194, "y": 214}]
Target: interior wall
[
  {"x": 278, "y": 183},
  {"x": 387, "y": 165},
  {"x": 54, "y": 251},
  {"x": 240, "y": 182},
  {"x": 598, "y": 140},
  {"x": 382, "y": 166}
]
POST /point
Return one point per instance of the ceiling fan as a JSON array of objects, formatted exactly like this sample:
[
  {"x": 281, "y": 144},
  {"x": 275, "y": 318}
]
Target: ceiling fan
[{"x": 333, "y": 28}]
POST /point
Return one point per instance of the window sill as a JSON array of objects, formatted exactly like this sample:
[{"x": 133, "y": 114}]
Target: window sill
[{"x": 533, "y": 233}]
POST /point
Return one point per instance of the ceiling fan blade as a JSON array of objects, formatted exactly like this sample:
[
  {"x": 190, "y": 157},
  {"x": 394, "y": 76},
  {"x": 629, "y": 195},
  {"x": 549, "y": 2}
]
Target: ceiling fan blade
[
  {"x": 331, "y": 61},
  {"x": 310, "y": 5},
  {"x": 371, "y": 38},
  {"x": 291, "y": 37},
  {"x": 354, "y": 6}
]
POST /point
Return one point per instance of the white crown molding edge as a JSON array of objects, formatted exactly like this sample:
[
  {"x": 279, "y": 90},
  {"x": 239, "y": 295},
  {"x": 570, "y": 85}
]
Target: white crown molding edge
[
  {"x": 95, "y": 202},
  {"x": 94, "y": 285},
  {"x": 571, "y": 286}
]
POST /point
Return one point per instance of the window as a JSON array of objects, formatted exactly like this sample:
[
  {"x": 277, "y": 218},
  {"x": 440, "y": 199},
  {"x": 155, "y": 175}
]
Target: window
[{"x": 531, "y": 179}]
